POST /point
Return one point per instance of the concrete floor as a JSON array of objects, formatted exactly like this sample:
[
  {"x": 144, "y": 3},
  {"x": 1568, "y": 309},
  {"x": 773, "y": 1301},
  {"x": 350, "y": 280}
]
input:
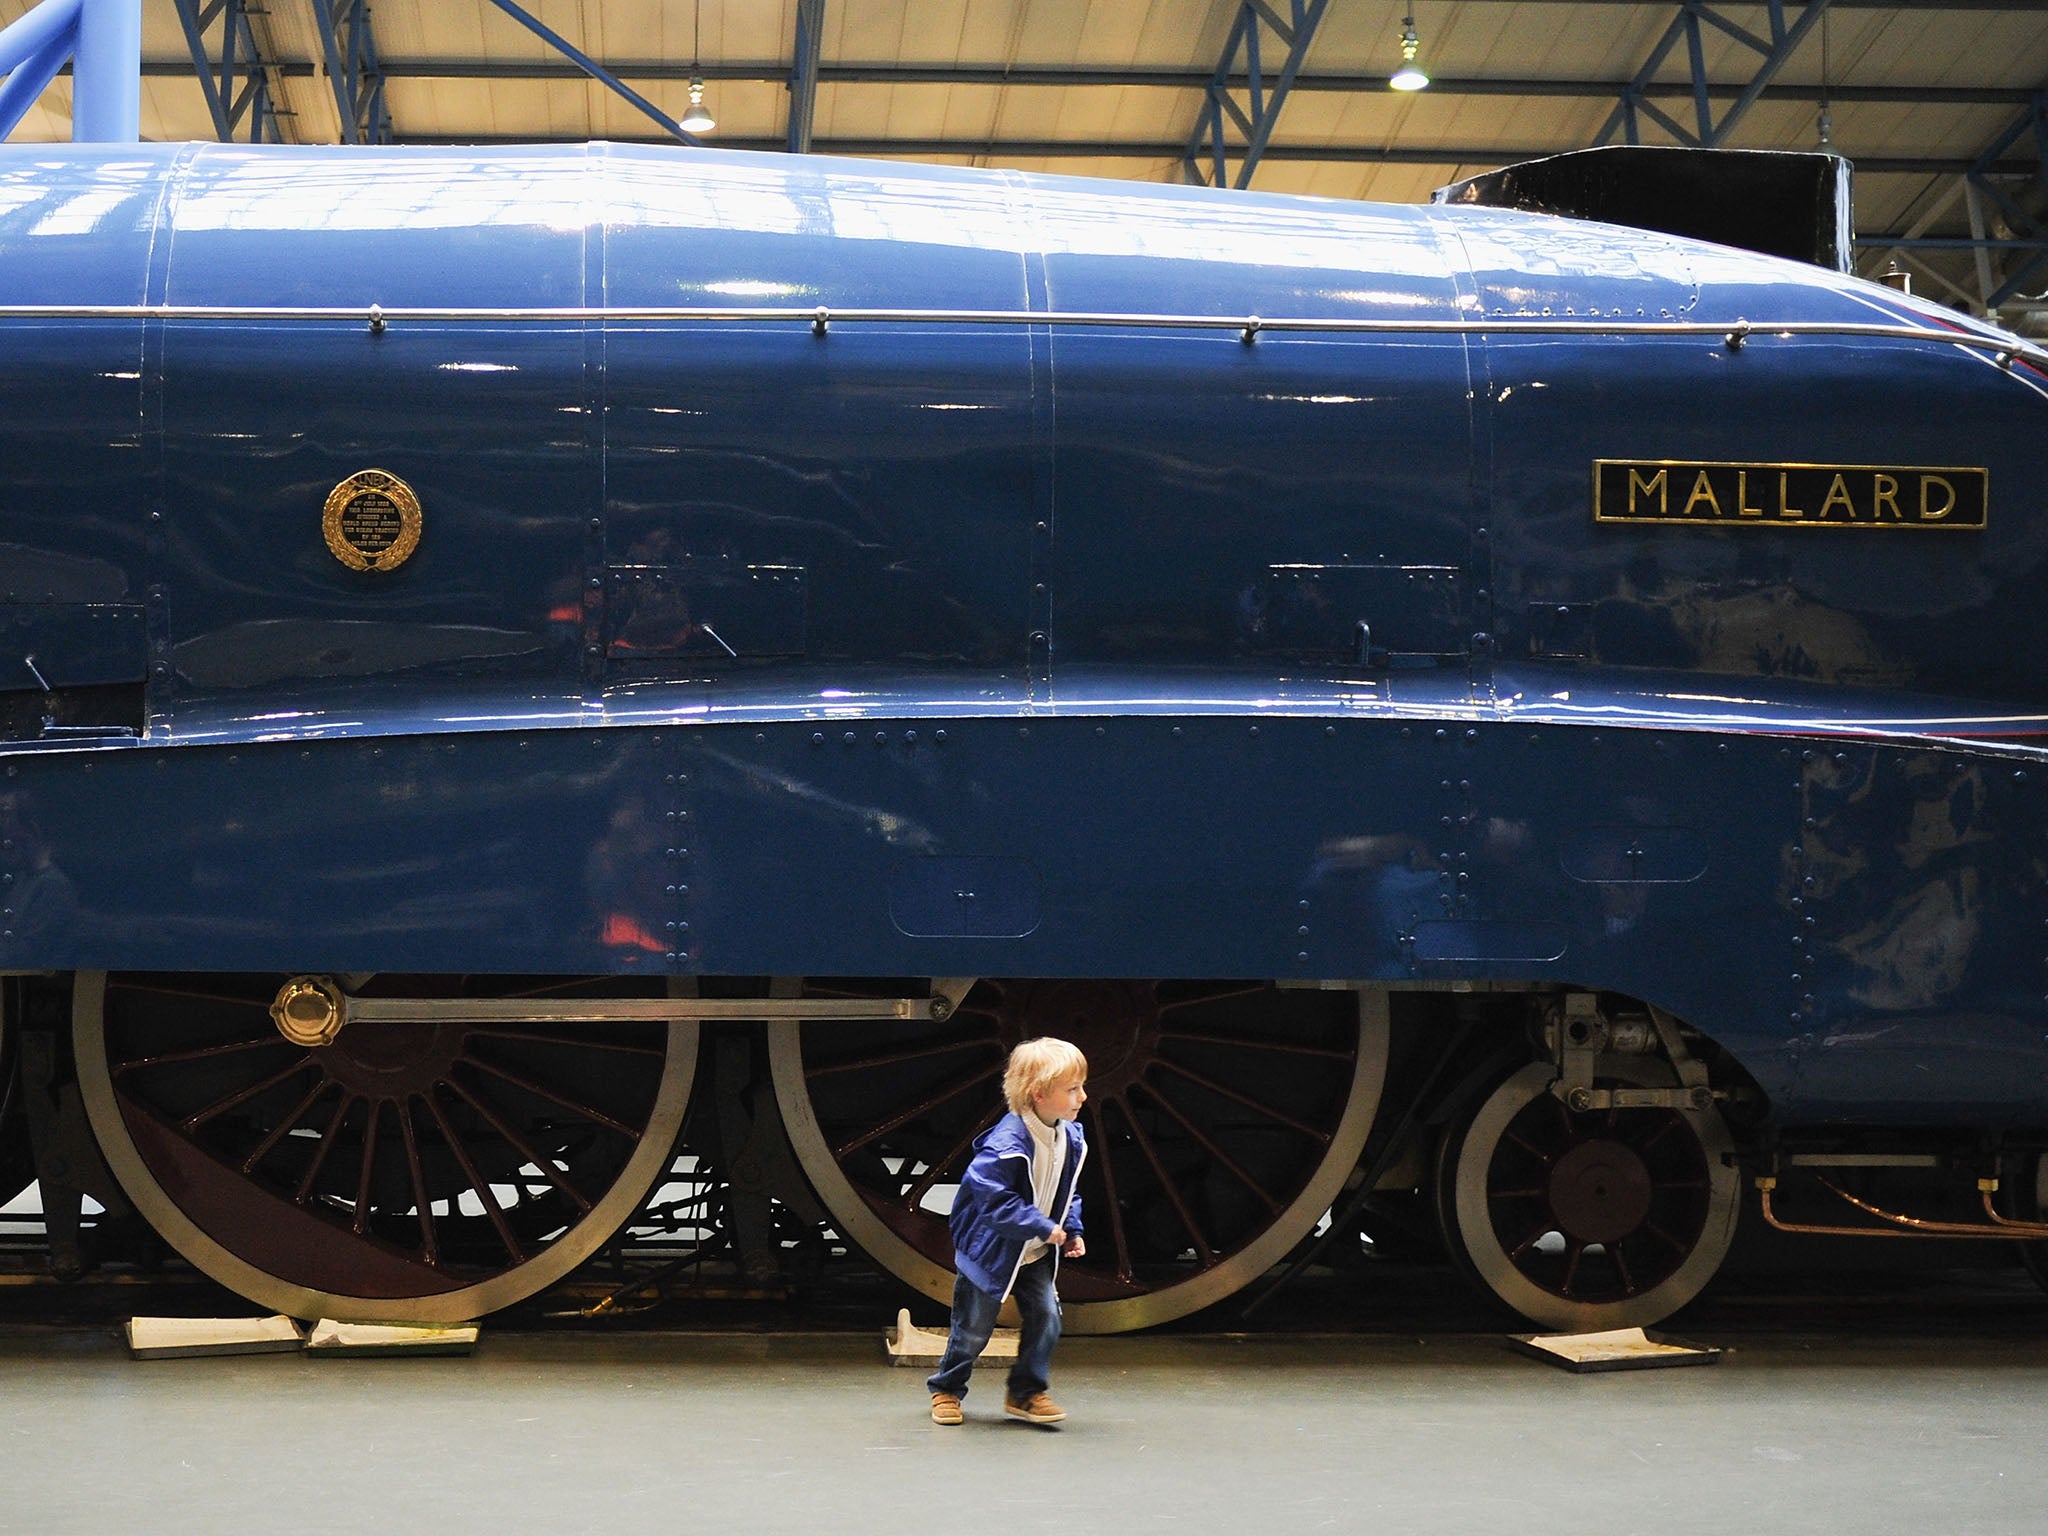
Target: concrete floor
[{"x": 654, "y": 1432}]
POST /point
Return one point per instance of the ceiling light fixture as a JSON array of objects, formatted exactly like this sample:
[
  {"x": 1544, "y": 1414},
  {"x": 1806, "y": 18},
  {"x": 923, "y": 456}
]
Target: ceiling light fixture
[
  {"x": 1409, "y": 77},
  {"x": 1827, "y": 117},
  {"x": 698, "y": 119}
]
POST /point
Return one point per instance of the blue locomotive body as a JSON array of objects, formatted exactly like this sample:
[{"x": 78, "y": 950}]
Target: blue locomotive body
[{"x": 1518, "y": 603}]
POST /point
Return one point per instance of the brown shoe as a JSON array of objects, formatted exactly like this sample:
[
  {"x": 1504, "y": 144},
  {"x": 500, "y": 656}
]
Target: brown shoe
[
  {"x": 946, "y": 1408},
  {"x": 1035, "y": 1409}
]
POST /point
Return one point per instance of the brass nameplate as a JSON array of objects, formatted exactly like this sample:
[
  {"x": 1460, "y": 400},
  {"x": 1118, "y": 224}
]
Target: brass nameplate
[
  {"x": 372, "y": 521},
  {"x": 1788, "y": 495}
]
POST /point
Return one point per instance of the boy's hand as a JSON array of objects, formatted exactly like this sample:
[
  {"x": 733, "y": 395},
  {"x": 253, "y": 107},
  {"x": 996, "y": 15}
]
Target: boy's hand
[
  {"x": 1057, "y": 1238},
  {"x": 1074, "y": 1248}
]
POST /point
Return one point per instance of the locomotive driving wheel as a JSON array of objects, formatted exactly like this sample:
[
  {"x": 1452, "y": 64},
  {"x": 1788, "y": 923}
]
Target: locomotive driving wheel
[
  {"x": 1610, "y": 1218},
  {"x": 17, "y": 1159},
  {"x": 399, "y": 1172},
  {"x": 1222, "y": 1120}
]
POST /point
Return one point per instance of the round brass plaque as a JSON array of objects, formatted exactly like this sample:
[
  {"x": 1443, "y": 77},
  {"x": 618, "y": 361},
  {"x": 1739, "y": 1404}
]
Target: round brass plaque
[{"x": 372, "y": 521}]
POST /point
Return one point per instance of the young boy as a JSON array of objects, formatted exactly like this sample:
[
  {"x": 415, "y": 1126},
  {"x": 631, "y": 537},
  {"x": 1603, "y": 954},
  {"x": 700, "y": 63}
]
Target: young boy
[{"x": 1018, "y": 1210}]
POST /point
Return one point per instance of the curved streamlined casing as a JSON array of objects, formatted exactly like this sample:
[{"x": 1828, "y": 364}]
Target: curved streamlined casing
[{"x": 975, "y": 646}]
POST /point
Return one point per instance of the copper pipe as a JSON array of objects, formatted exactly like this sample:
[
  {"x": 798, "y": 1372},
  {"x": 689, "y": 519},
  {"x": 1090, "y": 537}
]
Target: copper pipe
[
  {"x": 1901, "y": 1226},
  {"x": 2025, "y": 1228}
]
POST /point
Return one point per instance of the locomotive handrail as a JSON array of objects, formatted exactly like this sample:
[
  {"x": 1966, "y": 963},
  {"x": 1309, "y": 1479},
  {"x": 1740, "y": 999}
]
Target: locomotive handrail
[{"x": 1249, "y": 328}]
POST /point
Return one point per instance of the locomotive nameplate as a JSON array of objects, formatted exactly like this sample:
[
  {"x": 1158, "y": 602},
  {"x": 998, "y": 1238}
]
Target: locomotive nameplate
[
  {"x": 1788, "y": 495},
  {"x": 372, "y": 521}
]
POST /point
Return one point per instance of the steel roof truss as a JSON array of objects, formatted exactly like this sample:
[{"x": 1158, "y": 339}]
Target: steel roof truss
[
  {"x": 233, "y": 72},
  {"x": 353, "y": 70},
  {"x": 1784, "y": 40},
  {"x": 588, "y": 65},
  {"x": 1210, "y": 149},
  {"x": 803, "y": 74}
]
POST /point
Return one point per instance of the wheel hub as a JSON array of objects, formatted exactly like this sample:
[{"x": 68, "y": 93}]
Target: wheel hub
[
  {"x": 391, "y": 1061},
  {"x": 1115, "y": 1025},
  {"x": 1600, "y": 1191}
]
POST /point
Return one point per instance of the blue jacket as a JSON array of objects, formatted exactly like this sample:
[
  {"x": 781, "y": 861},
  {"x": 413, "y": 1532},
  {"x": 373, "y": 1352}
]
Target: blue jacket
[{"x": 994, "y": 1214}]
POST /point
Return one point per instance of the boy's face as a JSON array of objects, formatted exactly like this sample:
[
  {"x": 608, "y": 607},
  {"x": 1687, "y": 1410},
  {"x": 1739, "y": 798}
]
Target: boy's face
[{"x": 1062, "y": 1101}]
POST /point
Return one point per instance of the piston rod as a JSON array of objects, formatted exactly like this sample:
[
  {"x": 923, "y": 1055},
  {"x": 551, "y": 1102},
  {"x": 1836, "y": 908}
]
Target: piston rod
[{"x": 312, "y": 1010}]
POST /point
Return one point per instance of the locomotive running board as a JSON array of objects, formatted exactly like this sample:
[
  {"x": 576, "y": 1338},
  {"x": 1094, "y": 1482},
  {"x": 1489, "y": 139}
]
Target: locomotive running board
[{"x": 312, "y": 1010}]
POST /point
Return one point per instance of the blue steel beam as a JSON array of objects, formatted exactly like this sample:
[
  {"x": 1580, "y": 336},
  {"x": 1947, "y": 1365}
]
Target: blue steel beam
[
  {"x": 32, "y": 50},
  {"x": 1773, "y": 51},
  {"x": 1210, "y": 148},
  {"x": 803, "y": 74},
  {"x": 102, "y": 40},
  {"x": 106, "y": 73},
  {"x": 590, "y": 66},
  {"x": 232, "y": 71},
  {"x": 354, "y": 70}
]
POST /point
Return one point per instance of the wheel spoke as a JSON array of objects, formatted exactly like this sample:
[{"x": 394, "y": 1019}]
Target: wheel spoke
[
  {"x": 897, "y": 1058},
  {"x": 519, "y": 1144},
  {"x": 572, "y": 1040},
  {"x": 1098, "y": 1135},
  {"x": 1222, "y": 994},
  {"x": 1166, "y": 1184},
  {"x": 1202, "y": 1081},
  {"x": 1670, "y": 1124},
  {"x": 936, "y": 1169},
  {"x": 362, "y": 1222},
  {"x": 477, "y": 1181},
  {"x": 1628, "y": 1282},
  {"x": 1664, "y": 1237},
  {"x": 192, "y": 995},
  {"x": 1283, "y": 1047},
  {"x": 563, "y": 1101},
  {"x": 924, "y": 1106},
  {"x": 285, "y": 1123},
  {"x": 212, "y": 1111},
  {"x": 205, "y": 1053},
  {"x": 327, "y": 1139},
  {"x": 423, "y": 1202},
  {"x": 1224, "y": 1158}
]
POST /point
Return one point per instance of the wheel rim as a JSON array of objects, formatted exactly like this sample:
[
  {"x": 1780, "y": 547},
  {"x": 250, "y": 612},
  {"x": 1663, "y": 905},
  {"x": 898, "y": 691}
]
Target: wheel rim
[
  {"x": 404, "y": 1173},
  {"x": 1609, "y": 1219},
  {"x": 1222, "y": 1120},
  {"x": 2023, "y": 1190}
]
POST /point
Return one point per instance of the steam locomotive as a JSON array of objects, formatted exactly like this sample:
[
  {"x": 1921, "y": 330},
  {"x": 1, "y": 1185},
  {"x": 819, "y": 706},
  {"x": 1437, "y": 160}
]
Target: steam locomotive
[{"x": 1535, "y": 716}]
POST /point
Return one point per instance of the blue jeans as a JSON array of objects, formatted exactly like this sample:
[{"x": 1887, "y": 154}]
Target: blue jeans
[{"x": 974, "y": 1319}]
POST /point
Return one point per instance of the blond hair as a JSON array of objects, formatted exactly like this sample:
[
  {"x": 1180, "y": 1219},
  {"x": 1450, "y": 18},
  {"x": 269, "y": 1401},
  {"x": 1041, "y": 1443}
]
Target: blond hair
[{"x": 1037, "y": 1066}]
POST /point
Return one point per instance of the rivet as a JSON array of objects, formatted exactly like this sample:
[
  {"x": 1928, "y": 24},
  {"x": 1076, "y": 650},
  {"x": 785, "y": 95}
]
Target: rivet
[{"x": 817, "y": 738}]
